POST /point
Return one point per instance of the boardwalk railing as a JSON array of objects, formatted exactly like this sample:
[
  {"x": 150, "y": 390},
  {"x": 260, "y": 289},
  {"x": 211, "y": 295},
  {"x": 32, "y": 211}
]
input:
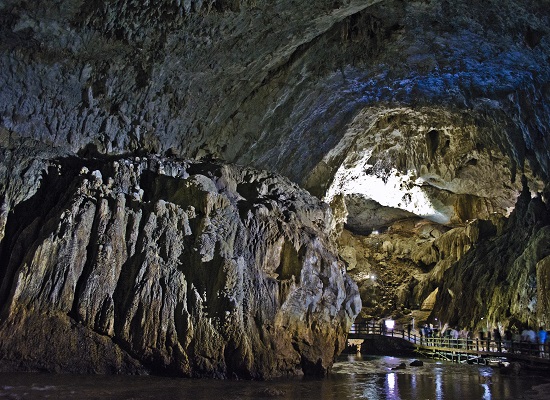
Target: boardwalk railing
[{"x": 486, "y": 346}]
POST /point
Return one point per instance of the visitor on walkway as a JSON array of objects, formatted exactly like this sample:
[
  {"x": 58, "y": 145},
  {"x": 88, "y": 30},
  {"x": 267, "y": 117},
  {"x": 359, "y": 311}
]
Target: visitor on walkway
[
  {"x": 464, "y": 335},
  {"x": 516, "y": 338},
  {"x": 454, "y": 336},
  {"x": 481, "y": 339},
  {"x": 542, "y": 335},
  {"x": 528, "y": 338},
  {"x": 498, "y": 339},
  {"x": 508, "y": 339}
]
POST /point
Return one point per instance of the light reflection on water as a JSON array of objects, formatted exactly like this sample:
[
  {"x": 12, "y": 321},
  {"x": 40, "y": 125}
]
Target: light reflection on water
[
  {"x": 392, "y": 392},
  {"x": 438, "y": 383},
  {"x": 353, "y": 377}
]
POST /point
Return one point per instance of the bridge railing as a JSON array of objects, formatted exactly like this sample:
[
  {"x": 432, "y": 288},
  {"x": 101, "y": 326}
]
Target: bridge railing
[{"x": 478, "y": 345}]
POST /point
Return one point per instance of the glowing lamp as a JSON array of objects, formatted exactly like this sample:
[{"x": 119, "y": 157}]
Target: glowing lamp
[{"x": 390, "y": 323}]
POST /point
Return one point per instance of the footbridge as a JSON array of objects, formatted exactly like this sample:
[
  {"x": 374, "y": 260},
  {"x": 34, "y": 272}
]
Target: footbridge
[{"x": 477, "y": 351}]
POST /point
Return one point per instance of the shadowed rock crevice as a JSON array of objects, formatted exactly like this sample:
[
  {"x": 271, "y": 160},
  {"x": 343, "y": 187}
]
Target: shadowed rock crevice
[{"x": 28, "y": 220}]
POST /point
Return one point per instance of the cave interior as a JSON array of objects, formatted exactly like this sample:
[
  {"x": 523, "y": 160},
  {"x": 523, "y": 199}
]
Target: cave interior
[{"x": 258, "y": 175}]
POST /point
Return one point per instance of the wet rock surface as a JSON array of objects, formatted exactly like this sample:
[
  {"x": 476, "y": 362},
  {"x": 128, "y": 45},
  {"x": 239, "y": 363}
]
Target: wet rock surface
[
  {"x": 381, "y": 345},
  {"x": 154, "y": 265}
]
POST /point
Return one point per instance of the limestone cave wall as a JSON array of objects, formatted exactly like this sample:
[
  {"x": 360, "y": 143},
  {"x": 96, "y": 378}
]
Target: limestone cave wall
[
  {"x": 502, "y": 282},
  {"x": 127, "y": 230}
]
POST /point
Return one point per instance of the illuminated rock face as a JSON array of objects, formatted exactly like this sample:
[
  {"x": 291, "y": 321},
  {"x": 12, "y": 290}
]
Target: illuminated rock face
[
  {"x": 155, "y": 265},
  {"x": 400, "y": 269},
  {"x": 413, "y": 118},
  {"x": 427, "y": 163},
  {"x": 505, "y": 279},
  {"x": 421, "y": 190}
]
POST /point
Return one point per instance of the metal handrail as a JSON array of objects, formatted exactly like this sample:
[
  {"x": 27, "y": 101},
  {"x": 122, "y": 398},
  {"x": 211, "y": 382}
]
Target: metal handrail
[{"x": 478, "y": 345}]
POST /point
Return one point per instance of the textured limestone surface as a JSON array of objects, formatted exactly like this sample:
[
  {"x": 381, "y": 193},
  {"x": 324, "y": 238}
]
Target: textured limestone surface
[
  {"x": 426, "y": 163},
  {"x": 269, "y": 83},
  {"x": 146, "y": 264},
  {"x": 400, "y": 269},
  {"x": 502, "y": 282},
  {"x": 414, "y": 119}
]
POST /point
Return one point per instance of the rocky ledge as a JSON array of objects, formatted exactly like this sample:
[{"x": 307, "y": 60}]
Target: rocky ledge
[{"x": 150, "y": 265}]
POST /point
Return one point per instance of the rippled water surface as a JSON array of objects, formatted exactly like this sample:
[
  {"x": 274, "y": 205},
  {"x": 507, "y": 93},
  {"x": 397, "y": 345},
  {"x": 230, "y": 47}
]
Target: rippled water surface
[{"x": 353, "y": 377}]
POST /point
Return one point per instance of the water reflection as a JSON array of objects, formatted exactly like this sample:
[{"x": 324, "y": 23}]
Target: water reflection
[
  {"x": 374, "y": 378},
  {"x": 438, "y": 383},
  {"x": 369, "y": 378},
  {"x": 371, "y": 390},
  {"x": 413, "y": 386},
  {"x": 391, "y": 386},
  {"x": 487, "y": 393},
  {"x": 485, "y": 377}
]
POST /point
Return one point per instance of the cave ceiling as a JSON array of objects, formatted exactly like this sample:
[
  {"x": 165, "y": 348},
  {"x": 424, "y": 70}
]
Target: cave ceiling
[{"x": 436, "y": 106}]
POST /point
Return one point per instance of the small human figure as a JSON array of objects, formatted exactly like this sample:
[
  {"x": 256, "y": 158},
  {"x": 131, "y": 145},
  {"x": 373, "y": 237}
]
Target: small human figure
[
  {"x": 454, "y": 336},
  {"x": 542, "y": 335},
  {"x": 516, "y": 338},
  {"x": 525, "y": 334},
  {"x": 498, "y": 339},
  {"x": 532, "y": 335},
  {"x": 463, "y": 335},
  {"x": 507, "y": 339},
  {"x": 508, "y": 334},
  {"x": 481, "y": 337},
  {"x": 528, "y": 337},
  {"x": 429, "y": 331}
]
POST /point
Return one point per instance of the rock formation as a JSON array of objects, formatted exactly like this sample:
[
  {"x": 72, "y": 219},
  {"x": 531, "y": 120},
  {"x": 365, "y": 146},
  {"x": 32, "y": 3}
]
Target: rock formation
[
  {"x": 195, "y": 269},
  {"x": 424, "y": 125},
  {"x": 501, "y": 281}
]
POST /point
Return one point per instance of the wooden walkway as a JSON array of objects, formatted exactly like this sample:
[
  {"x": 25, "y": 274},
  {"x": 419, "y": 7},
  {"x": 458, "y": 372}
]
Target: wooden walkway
[{"x": 461, "y": 350}]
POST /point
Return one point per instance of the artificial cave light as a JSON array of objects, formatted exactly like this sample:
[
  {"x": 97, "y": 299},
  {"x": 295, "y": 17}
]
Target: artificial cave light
[
  {"x": 389, "y": 188},
  {"x": 390, "y": 324}
]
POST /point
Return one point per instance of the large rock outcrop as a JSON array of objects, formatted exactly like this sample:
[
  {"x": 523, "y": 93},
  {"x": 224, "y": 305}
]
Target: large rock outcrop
[
  {"x": 401, "y": 269},
  {"x": 152, "y": 265},
  {"x": 502, "y": 283}
]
